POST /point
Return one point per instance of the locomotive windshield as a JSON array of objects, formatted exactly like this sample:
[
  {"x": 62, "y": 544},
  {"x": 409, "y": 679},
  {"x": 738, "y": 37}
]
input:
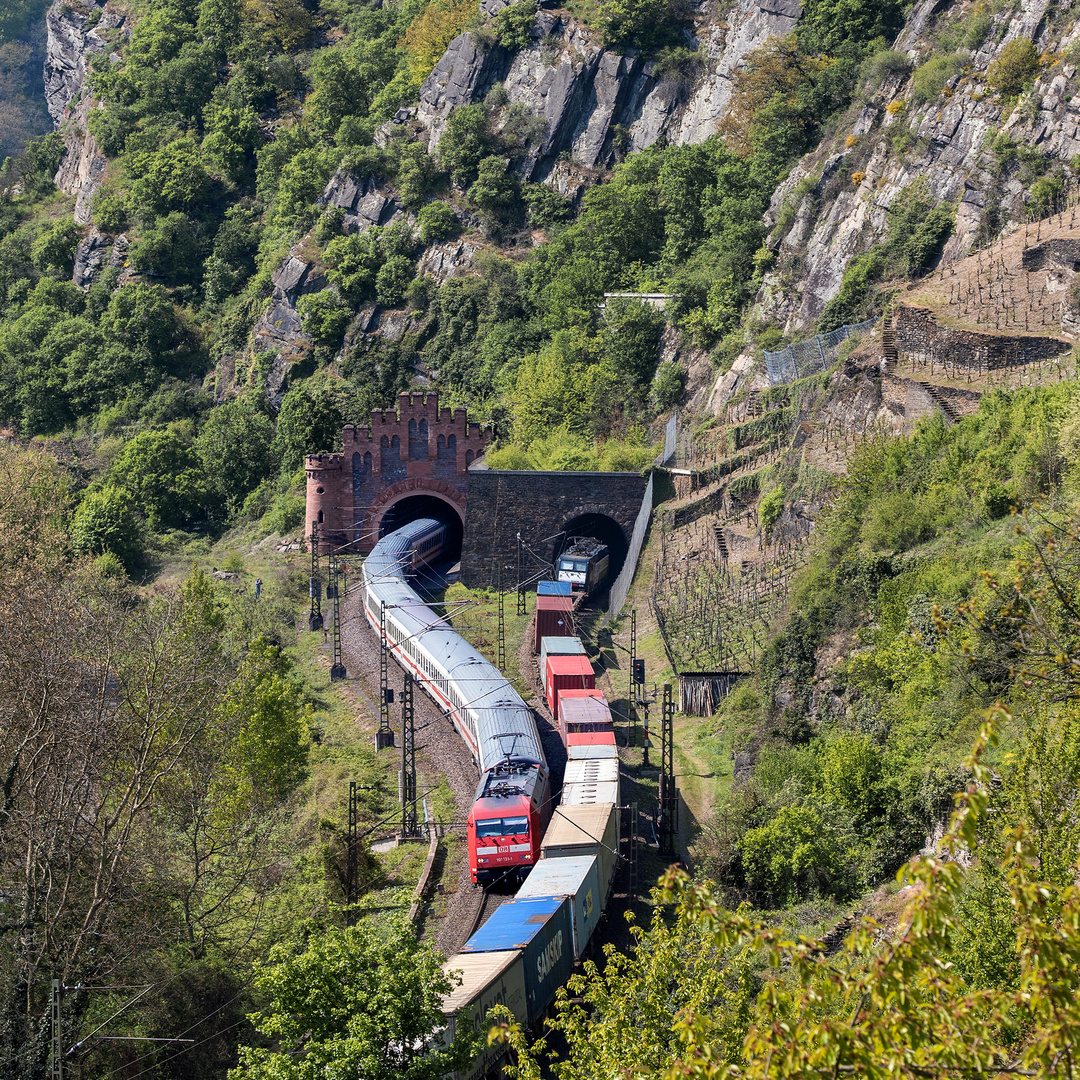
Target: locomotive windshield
[{"x": 518, "y": 826}]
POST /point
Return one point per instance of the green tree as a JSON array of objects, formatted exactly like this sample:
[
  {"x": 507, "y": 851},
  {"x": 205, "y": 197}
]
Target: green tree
[
  {"x": 310, "y": 421},
  {"x": 634, "y": 22},
  {"x": 325, "y": 316},
  {"x": 465, "y": 140},
  {"x": 163, "y": 475},
  {"x": 53, "y": 251},
  {"x": 173, "y": 178},
  {"x": 354, "y": 263},
  {"x": 630, "y": 342},
  {"x": 850, "y": 775},
  {"x": 267, "y": 719},
  {"x": 497, "y": 194},
  {"x": 234, "y": 447},
  {"x": 622, "y": 1017},
  {"x": 793, "y": 856},
  {"x": 437, "y": 222},
  {"x": 355, "y": 1003},
  {"x": 393, "y": 280},
  {"x": 169, "y": 249},
  {"x": 231, "y": 140},
  {"x": 105, "y": 522}
]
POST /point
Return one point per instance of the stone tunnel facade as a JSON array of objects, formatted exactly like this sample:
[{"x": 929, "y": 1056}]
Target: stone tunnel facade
[
  {"x": 418, "y": 450},
  {"x": 539, "y": 506}
]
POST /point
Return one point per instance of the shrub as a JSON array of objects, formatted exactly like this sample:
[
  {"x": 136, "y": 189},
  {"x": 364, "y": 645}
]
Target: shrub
[
  {"x": 770, "y": 507},
  {"x": 1046, "y": 194},
  {"x": 884, "y": 65},
  {"x": 513, "y": 26},
  {"x": 465, "y": 140},
  {"x": 110, "y": 211},
  {"x": 169, "y": 250},
  {"x": 546, "y": 206},
  {"x": 793, "y": 857},
  {"x": 633, "y": 22},
  {"x": 285, "y": 514},
  {"x": 431, "y": 31},
  {"x": 393, "y": 279},
  {"x": 667, "y": 386},
  {"x": 105, "y": 523},
  {"x": 930, "y": 78},
  {"x": 1017, "y": 62},
  {"x": 437, "y": 222},
  {"x": 325, "y": 316}
]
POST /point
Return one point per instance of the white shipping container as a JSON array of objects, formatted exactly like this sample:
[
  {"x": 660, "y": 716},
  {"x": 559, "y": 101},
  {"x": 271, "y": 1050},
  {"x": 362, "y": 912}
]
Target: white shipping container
[
  {"x": 578, "y": 878},
  {"x": 592, "y": 770},
  {"x": 593, "y": 752},
  {"x": 488, "y": 979},
  {"x": 581, "y": 794}
]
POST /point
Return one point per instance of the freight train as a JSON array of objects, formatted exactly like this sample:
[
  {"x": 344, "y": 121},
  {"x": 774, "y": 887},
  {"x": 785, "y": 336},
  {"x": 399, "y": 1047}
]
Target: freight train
[{"x": 529, "y": 946}]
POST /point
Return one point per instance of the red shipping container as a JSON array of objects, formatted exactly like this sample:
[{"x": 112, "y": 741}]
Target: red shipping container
[
  {"x": 585, "y": 718},
  {"x": 567, "y": 673},
  {"x": 553, "y": 618}
]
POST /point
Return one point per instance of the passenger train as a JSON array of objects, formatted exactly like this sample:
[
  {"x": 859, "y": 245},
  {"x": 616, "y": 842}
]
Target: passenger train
[
  {"x": 529, "y": 946},
  {"x": 512, "y": 804}
]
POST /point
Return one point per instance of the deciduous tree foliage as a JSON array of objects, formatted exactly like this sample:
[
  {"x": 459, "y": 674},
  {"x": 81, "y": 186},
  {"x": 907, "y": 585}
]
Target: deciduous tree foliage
[
  {"x": 360, "y": 1003},
  {"x": 892, "y": 1005}
]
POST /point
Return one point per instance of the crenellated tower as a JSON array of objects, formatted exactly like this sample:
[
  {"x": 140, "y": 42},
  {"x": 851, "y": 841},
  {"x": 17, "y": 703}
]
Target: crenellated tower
[{"x": 419, "y": 449}]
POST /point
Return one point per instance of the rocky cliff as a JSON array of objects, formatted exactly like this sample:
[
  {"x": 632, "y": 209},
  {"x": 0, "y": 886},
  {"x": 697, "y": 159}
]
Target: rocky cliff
[
  {"x": 593, "y": 100},
  {"x": 835, "y": 203},
  {"x": 75, "y": 33}
]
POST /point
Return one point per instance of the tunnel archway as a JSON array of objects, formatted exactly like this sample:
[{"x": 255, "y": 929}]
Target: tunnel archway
[
  {"x": 413, "y": 506},
  {"x": 601, "y": 527}
]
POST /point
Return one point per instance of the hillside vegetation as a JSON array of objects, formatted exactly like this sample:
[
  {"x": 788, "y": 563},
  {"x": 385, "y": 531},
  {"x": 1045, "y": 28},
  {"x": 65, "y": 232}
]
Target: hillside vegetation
[{"x": 175, "y": 761}]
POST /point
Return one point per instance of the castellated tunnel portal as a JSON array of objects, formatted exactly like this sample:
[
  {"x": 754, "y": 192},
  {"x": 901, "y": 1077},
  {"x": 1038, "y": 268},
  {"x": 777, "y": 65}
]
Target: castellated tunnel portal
[
  {"x": 407, "y": 464},
  {"x": 423, "y": 461}
]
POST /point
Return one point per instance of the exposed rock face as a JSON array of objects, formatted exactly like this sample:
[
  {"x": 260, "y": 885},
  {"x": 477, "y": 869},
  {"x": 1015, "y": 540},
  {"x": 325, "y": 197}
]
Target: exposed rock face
[
  {"x": 447, "y": 260},
  {"x": 90, "y": 257},
  {"x": 583, "y": 91},
  {"x": 365, "y": 202},
  {"x": 279, "y": 329},
  {"x": 73, "y": 37},
  {"x": 749, "y": 26},
  {"x": 83, "y": 165},
  {"x": 948, "y": 149}
]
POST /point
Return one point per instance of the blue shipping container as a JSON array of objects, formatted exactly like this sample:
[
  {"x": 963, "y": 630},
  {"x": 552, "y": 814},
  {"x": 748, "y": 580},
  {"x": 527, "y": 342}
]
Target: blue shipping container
[
  {"x": 544, "y": 931},
  {"x": 554, "y": 588},
  {"x": 576, "y": 877}
]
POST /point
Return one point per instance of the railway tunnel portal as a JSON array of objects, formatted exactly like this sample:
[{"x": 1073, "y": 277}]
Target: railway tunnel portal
[
  {"x": 421, "y": 460},
  {"x": 410, "y": 462}
]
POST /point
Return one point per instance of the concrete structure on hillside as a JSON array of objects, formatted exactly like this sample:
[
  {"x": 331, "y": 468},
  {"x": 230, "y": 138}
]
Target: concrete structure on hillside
[{"x": 407, "y": 463}]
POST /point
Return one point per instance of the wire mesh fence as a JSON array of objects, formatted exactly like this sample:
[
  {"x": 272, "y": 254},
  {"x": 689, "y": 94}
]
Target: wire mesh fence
[
  {"x": 806, "y": 357},
  {"x": 621, "y": 588}
]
